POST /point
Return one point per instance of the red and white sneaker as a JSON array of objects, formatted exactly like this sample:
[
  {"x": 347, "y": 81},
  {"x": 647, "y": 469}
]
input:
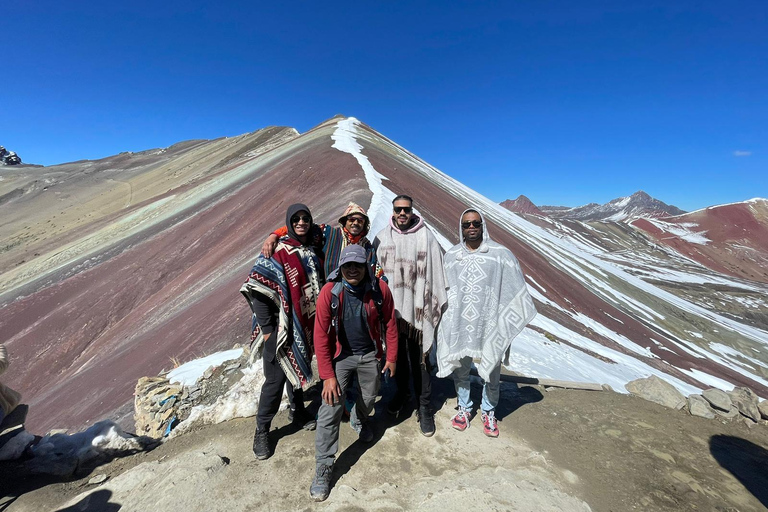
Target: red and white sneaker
[
  {"x": 490, "y": 426},
  {"x": 461, "y": 420}
]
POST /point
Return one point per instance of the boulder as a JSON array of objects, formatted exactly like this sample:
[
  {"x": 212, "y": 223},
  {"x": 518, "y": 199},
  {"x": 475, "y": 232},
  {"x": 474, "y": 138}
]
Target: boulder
[
  {"x": 729, "y": 414},
  {"x": 657, "y": 390},
  {"x": 746, "y": 402},
  {"x": 763, "y": 408},
  {"x": 717, "y": 398},
  {"x": 700, "y": 407}
]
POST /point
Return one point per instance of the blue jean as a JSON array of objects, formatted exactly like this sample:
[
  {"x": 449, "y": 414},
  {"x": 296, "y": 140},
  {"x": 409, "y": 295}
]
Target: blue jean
[{"x": 490, "y": 388}]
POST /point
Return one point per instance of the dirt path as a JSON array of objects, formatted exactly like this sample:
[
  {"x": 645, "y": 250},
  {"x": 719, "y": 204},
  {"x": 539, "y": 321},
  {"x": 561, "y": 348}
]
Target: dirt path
[{"x": 558, "y": 451}]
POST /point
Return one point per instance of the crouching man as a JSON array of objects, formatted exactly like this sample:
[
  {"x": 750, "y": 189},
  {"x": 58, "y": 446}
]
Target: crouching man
[{"x": 355, "y": 314}]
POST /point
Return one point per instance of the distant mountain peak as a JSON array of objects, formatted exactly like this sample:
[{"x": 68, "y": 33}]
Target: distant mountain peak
[
  {"x": 622, "y": 209},
  {"x": 522, "y": 205}
]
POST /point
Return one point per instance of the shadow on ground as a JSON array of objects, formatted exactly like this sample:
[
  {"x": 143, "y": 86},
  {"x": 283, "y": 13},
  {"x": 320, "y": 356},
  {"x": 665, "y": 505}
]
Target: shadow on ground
[
  {"x": 97, "y": 501},
  {"x": 745, "y": 460}
]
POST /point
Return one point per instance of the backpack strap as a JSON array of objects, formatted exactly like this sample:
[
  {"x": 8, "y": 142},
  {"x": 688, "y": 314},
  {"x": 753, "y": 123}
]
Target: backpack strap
[{"x": 335, "y": 292}]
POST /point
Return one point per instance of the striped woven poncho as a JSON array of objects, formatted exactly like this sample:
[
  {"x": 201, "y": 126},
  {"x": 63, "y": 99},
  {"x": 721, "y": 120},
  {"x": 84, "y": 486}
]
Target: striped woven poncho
[{"x": 291, "y": 279}]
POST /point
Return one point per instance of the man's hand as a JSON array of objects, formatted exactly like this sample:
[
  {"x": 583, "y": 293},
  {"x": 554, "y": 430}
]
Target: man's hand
[
  {"x": 389, "y": 366},
  {"x": 268, "y": 249},
  {"x": 331, "y": 391}
]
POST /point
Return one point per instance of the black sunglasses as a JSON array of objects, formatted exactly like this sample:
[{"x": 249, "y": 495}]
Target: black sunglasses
[
  {"x": 356, "y": 220},
  {"x": 475, "y": 223},
  {"x": 406, "y": 209},
  {"x": 296, "y": 218}
]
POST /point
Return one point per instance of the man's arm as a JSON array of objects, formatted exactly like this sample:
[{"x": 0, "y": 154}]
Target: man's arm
[
  {"x": 389, "y": 323},
  {"x": 325, "y": 347},
  {"x": 268, "y": 248}
]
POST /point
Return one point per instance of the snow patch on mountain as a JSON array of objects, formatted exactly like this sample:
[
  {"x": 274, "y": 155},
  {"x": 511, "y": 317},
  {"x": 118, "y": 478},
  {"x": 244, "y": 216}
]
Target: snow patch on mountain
[{"x": 683, "y": 230}]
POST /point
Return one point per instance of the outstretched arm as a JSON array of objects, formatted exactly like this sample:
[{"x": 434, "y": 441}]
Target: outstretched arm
[{"x": 268, "y": 248}]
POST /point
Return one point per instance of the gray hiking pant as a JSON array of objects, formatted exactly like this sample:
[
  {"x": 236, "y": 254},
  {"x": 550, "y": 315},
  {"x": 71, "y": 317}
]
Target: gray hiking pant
[{"x": 329, "y": 416}]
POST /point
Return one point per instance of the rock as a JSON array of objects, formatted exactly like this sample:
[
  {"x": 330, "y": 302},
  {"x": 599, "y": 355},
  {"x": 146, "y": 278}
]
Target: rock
[
  {"x": 98, "y": 479},
  {"x": 61, "y": 455},
  {"x": 208, "y": 373},
  {"x": 717, "y": 398},
  {"x": 745, "y": 401},
  {"x": 232, "y": 367},
  {"x": 607, "y": 387},
  {"x": 698, "y": 406},
  {"x": 658, "y": 391},
  {"x": 763, "y": 408},
  {"x": 14, "y": 448},
  {"x": 730, "y": 414}
]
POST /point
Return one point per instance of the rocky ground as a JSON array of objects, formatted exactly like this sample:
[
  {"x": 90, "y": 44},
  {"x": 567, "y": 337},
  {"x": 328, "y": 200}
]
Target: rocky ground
[{"x": 561, "y": 450}]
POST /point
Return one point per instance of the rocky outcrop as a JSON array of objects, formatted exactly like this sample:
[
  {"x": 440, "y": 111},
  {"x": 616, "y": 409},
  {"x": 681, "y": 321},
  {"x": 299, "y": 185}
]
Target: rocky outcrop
[
  {"x": 657, "y": 390},
  {"x": 711, "y": 403},
  {"x": 763, "y": 408},
  {"x": 745, "y": 400},
  {"x": 698, "y": 406},
  {"x": 160, "y": 405},
  {"x": 718, "y": 399}
]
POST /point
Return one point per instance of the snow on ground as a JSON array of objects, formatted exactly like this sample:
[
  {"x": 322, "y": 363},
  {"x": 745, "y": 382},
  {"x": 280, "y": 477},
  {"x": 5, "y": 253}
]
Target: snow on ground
[
  {"x": 533, "y": 355},
  {"x": 533, "y": 281},
  {"x": 683, "y": 230},
  {"x": 380, "y": 209},
  {"x": 753, "y": 200},
  {"x": 240, "y": 401},
  {"x": 188, "y": 373},
  {"x": 61, "y": 454}
]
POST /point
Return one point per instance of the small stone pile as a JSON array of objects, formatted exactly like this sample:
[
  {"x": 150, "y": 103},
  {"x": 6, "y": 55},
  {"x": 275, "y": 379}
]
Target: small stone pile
[
  {"x": 155, "y": 405},
  {"x": 741, "y": 402},
  {"x": 160, "y": 405}
]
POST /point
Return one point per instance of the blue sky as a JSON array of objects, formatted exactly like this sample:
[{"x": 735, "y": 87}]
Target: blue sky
[{"x": 565, "y": 102}]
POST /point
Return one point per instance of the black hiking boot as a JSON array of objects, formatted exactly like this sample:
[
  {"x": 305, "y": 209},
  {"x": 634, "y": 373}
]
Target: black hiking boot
[
  {"x": 426, "y": 421},
  {"x": 302, "y": 419},
  {"x": 397, "y": 404},
  {"x": 261, "y": 444}
]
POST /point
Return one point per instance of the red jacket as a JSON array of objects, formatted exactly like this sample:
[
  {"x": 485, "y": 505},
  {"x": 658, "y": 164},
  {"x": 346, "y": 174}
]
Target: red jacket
[{"x": 327, "y": 345}]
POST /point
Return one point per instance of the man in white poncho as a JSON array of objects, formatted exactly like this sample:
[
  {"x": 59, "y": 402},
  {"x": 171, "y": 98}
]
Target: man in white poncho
[{"x": 488, "y": 305}]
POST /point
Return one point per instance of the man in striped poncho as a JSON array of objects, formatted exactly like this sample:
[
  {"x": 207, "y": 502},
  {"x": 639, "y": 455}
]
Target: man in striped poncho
[{"x": 352, "y": 229}]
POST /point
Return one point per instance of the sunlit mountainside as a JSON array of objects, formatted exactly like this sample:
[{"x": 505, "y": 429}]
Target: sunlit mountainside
[{"x": 110, "y": 268}]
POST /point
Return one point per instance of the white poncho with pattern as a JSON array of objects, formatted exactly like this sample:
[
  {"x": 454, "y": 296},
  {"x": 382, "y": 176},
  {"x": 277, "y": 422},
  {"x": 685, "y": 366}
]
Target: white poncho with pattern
[{"x": 488, "y": 305}]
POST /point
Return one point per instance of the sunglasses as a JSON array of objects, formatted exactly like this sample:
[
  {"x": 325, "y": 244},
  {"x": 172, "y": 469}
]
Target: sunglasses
[
  {"x": 298, "y": 218},
  {"x": 405, "y": 209},
  {"x": 473, "y": 223},
  {"x": 356, "y": 220}
]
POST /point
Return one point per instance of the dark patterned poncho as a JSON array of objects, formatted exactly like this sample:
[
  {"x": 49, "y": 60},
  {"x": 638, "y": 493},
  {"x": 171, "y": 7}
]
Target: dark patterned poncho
[{"x": 291, "y": 279}]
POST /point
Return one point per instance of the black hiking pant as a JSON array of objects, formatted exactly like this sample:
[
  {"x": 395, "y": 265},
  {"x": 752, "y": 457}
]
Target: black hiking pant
[
  {"x": 412, "y": 364},
  {"x": 272, "y": 390}
]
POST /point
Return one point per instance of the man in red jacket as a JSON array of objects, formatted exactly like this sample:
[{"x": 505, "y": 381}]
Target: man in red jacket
[{"x": 355, "y": 313}]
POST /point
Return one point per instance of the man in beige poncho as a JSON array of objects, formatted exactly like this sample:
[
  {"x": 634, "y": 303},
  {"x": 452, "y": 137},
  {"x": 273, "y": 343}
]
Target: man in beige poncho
[{"x": 412, "y": 260}]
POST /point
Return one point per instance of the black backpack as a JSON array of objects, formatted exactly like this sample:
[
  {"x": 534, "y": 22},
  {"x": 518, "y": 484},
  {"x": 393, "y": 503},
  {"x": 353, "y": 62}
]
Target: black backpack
[{"x": 378, "y": 299}]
